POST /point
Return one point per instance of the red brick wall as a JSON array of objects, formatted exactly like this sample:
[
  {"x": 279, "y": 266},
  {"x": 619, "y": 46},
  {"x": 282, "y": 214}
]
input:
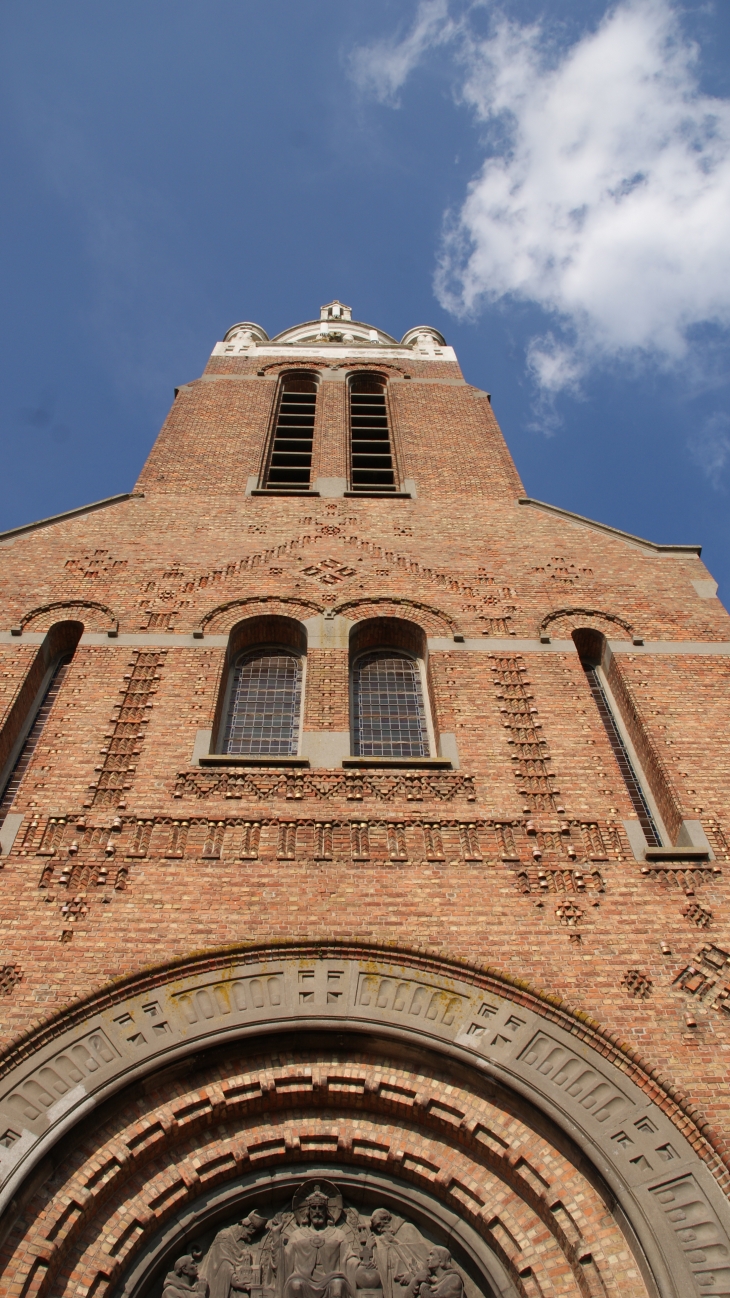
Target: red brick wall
[{"x": 463, "y": 556}]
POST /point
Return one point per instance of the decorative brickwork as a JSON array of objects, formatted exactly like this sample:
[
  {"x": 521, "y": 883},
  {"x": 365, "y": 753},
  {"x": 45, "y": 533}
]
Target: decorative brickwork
[
  {"x": 637, "y": 984},
  {"x": 533, "y": 769},
  {"x": 154, "y": 1158},
  {"x": 10, "y": 976},
  {"x": 127, "y": 735}
]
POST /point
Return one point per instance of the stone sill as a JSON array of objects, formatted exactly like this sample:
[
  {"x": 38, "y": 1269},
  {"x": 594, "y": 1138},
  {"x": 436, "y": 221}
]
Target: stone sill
[
  {"x": 677, "y": 854},
  {"x": 224, "y": 759},
  {"x": 276, "y": 491},
  {"x": 380, "y": 495},
  {"x": 418, "y": 763}
]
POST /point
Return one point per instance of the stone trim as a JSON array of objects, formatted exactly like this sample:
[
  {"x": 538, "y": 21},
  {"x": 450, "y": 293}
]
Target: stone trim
[
  {"x": 438, "y": 644},
  {"x": 70, "y": 513},
  {"x": 231, "y": 759},
  {"x": 483, "y": 976},
  {"x": 652, "y": 546},
  {"x": 415, "y": 763}
]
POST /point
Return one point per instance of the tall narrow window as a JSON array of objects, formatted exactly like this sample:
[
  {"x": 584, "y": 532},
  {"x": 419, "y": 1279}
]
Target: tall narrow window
[
  {"x": 589, "y": 648},
  {"x": 264, "y": 706},
  {"x": 371, "y": 453},
  {"x": 290, "y": 459},
  {"x": 28, "y": 747},
  {"x": 388, "y": 709}
]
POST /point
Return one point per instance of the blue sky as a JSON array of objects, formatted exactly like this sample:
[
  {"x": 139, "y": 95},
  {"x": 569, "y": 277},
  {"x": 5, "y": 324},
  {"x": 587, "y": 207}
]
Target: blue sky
[{"x": 547, "y": 183}]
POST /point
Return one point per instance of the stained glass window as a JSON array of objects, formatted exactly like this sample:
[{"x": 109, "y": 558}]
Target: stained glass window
[
  {"x": 263, "y": 713},
  {"x": 389, "y": 713}
]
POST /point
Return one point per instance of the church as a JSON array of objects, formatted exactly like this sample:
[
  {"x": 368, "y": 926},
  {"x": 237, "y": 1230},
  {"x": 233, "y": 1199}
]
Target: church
[{"x": 364, "y": 851}]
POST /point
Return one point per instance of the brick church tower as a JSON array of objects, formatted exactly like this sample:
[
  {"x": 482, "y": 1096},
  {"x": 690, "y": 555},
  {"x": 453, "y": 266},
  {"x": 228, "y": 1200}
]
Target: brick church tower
[{"x": 364, "y": 834}]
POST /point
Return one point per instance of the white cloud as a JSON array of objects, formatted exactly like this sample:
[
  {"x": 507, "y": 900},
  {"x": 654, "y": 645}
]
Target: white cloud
[
  {"x": 611, "y": 206},
  {"x": 605, "y": 196},
  {"x": 383, "y": 67},
  {"x": 710, "y": 446}
]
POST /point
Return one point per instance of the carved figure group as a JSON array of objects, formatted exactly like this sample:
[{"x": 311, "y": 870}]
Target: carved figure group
[{"x": 320, "y": 1249}]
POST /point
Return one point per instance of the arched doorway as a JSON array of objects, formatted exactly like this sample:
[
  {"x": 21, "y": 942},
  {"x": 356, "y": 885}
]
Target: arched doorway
[{"x": 484, "y": 1118}]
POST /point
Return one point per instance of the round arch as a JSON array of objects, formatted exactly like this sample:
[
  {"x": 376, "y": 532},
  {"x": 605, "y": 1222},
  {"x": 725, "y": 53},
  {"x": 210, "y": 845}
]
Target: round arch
[
  {"x": 224, "y": 617},
  {"x": 566, "y": 620},
  {"x": 380, "y": 1061},
  {"x": 92, "y": 615}
]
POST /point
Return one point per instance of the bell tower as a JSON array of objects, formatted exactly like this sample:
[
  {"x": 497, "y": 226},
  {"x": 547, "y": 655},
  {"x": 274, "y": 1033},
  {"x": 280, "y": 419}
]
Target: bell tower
[{"x": 364, "y": 841}]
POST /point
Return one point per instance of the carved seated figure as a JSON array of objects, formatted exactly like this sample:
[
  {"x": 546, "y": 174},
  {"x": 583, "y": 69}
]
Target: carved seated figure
[{"x": 316, "y": 1257}]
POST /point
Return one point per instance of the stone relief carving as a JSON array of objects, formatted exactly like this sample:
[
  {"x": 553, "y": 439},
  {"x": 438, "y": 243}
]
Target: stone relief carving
[
  {"x": 319, "y": 1247},
  {"x": 184, "y": 1279},
  {"x": 233, "y": 1261}
]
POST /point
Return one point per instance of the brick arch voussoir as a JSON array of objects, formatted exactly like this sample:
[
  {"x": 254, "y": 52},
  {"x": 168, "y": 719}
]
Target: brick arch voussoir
[
  {"x": 565, "y": 1064},
  {"x": 286, "y": 367},
  {"x": 432, "y": 620},
  {"x": 220, "y": 620},
  {"x": 567, "y": 620},
  {"x": 185, "y": 1139},
  {"x": 371, "y": 367},
  {"x": 95, "y": 616}
]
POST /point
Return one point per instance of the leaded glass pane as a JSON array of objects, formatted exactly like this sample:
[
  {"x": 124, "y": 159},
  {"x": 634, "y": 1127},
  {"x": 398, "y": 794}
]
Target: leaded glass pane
[
  {"x": 389, "y": 715},
  {"x": 263, "y": 714}
]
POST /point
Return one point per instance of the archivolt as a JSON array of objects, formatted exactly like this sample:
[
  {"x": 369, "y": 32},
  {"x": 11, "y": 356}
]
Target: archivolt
[
  {"x": 223, "y": 617},
  {"x": 434, "y": 621},
  {"x": 594, "y": 617},
  {"x": 72, "y": 608},
  {"x": 388, "y": 1061},
  {"x": 197, "y": 1145},
  {"x": 282, "y": 367}
]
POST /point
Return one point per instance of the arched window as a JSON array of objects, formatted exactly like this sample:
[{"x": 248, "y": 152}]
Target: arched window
[
  {"x": 259, "y": 708},
  {"x": 265, "y": 704},
  {"x": 371, "y": 453},
  {"x": 389, "y": 693},
  {"x": 36, "y": 697},
  {"x": 591, "y": 646},
  {"x": 289, "y": 465},
  {"x": 389, "y": 715}
]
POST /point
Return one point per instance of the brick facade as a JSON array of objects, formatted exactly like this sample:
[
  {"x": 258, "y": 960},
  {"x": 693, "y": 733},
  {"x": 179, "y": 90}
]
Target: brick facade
[{"x": 512, "y": 853}]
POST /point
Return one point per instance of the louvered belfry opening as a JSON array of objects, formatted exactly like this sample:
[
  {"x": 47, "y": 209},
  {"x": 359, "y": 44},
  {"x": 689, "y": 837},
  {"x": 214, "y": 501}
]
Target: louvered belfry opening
[
  {"x": 264, "y": 707},
  {"x": 389, "y": 713},
  {"x": 26, "y": 753},
  {"x": 290, "y": 461},
  {"x": 371, "y": 452}
]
